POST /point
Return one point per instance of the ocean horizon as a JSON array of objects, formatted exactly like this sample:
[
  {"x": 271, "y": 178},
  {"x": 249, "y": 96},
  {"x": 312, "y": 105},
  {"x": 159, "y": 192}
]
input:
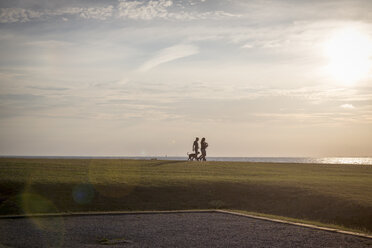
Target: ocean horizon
[{"x": 295, "y": 160}]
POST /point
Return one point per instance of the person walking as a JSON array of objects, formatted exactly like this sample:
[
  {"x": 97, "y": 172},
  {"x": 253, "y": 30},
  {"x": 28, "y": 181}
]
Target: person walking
[
  {"x": 203, "y": 146},
  {"x": 195, "y": 147}
]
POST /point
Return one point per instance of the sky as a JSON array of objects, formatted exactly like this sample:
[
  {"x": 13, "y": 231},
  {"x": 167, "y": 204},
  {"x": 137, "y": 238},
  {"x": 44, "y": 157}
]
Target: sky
[{"x": 144, "y": 78}]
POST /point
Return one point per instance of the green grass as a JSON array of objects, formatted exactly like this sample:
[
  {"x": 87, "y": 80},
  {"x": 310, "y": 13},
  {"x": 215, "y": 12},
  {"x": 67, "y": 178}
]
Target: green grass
[{"x": 338, "y": 195}]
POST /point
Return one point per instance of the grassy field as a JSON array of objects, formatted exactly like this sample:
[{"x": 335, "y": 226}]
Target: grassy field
[{"x": 338, "y": 195}]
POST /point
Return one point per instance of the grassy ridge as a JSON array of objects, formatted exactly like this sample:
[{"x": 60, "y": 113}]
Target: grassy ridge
[{"x": 333, "y": 194}]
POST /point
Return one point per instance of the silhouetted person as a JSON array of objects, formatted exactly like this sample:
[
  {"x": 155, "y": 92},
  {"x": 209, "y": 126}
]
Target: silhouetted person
[
  {"x": 195, "y": 146},
  {"x": 204, "y": 146}
]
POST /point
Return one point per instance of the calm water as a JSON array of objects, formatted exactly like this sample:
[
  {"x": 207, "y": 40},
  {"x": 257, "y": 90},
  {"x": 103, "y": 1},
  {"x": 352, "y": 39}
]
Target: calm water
[
  {"x": 327, "y": 160},
  {"x": 330, "y": 160}
]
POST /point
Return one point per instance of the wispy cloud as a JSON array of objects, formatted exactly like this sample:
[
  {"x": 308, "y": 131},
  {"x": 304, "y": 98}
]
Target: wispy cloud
[
  {"x": 48, "y": 88},
  {"x": 124, "y": 9},
  {"x": 97, "y": 13},
  {"x": 247, "y": 46},
  {"x": 347, "y": 106},
  {"x": 169, "y": 54},
  {"x": 143, "y": 10},
  {"x": 10, "y": 15}
]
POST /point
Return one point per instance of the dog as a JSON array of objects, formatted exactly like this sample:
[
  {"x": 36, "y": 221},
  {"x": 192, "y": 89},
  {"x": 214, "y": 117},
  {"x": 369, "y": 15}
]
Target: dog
[{"x": 193, "y": 156}]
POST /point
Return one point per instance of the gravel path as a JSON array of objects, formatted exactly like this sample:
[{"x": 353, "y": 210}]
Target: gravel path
[{"x": 166, "y": 230}]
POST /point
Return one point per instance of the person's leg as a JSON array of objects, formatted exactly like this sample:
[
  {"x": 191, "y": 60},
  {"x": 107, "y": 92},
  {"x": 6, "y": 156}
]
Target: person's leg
[
  {"x": 204, "y": 153},
  {"x": 201, "y": 155}
]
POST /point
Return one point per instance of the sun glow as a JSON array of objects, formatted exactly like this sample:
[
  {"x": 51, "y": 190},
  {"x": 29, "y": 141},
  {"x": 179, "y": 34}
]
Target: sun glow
[{"x": 349, "y": 51}]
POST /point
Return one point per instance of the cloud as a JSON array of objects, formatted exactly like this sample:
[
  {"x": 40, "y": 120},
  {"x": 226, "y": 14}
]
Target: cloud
[
  {"x": 49, "y": 43},
  {"x": 124, "y": 9},
  {"x": 97, "y": 13},
  {"x": 247, "y": 46},
  {"x": 143, "y": 10},
  {"x": 169, "y": 54},
  {"x": 48, "y": 88},
  {"x": 11, "y": 15},
  {"x": 347, "y": 106}
]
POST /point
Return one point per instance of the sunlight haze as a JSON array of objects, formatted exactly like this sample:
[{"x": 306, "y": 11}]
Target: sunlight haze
[{"x": 144, "y": 78}]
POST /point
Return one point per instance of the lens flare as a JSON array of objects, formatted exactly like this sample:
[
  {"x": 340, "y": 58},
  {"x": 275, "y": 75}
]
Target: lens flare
[
  {"x": 31, "y": 202},
  {"x": 83, "y": 193},
  {"x": 52, "y": 227}
]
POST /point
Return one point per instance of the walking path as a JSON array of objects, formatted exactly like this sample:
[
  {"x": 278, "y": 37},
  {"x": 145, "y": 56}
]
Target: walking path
[{"x": 192, "y": 229}]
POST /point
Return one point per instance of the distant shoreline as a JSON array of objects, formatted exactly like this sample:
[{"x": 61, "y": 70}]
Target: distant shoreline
[{"x": 292, "y": 160}]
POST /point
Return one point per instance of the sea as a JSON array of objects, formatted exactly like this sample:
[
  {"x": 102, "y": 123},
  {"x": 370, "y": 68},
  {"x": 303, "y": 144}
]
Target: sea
[{"x": 296, "y": 160}]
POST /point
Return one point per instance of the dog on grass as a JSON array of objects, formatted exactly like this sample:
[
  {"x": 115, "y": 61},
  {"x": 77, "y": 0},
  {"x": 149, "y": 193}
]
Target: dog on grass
[{"x": 193, "y": 156}]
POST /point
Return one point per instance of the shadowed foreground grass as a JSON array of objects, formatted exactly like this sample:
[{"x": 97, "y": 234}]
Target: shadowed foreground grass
[{"x": 332, "y": 194}]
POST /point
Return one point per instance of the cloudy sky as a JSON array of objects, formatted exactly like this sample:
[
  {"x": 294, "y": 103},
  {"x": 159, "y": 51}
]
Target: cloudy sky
[{"x": 130, "y": 77}]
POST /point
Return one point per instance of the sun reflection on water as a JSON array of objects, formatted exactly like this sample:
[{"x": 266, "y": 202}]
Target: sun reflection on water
[{"x": 350, "y": 160}]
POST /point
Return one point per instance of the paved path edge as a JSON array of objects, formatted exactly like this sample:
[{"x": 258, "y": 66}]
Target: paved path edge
[
  {"x": 68, "y": 214},
  {"x": 297, "y": 224}
]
